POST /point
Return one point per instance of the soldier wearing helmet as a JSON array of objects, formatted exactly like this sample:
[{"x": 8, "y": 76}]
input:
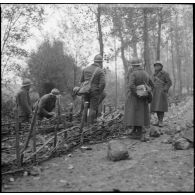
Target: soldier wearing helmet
[
  {"x": 96, "y": 95},
  {"x": 23, "y": 101},
  {"x": 136, "y": 107},
  {"x": 162, "y": 83},
  {"x": 46, "y": 104}
]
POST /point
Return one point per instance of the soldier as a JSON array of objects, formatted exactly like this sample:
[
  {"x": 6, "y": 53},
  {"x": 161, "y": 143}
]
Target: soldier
[
  {"x": 136, "y": 107},
  {"x": 96, "y": 95},
  {"x": 162, "y": 83},
  {"x": 46, "y": 104},
  {"x": 23, "y": 102}
]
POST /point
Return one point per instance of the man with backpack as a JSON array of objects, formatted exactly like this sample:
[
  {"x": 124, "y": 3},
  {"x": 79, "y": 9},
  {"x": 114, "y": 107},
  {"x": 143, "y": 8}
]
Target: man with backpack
[{"x": 94, "y": 74}]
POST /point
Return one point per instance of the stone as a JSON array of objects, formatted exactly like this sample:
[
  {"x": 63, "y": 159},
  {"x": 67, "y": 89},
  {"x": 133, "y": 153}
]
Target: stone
[
  {"x": 181, "y": 144},
  {"x": 155, "y": 132},
  {"x": 189, "y": 134},
  {"x": 117, "y": 151}
]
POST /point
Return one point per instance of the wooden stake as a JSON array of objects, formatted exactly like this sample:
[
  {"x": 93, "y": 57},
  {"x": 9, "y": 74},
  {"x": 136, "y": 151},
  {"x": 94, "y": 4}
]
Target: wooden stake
[
  {"x": 58, "y": 121},
  {"x": 18, "y": 139},
  {"x": 30, "y": 132}
]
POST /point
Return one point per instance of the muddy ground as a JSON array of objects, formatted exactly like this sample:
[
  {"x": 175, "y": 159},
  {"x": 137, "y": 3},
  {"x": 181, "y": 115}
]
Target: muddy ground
[{"x": 154, "y": 166}]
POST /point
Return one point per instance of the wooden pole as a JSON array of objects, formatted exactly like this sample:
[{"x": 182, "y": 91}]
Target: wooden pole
[
  {"x": 84, "y": 115},
  {"x": 58, "y": 121},
  {"x": 115, "y": 73},
  {"x": 30, "y": 132},
  {"x": 18, "y": 139},
  {"x": 34, "y": 144}
]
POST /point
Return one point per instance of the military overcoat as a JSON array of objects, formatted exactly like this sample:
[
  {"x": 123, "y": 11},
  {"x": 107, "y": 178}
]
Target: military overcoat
[
  {"x": 162, "y": 83},
  {"x": 136, "y": 108},
  {"x": 23, "y": 103}
]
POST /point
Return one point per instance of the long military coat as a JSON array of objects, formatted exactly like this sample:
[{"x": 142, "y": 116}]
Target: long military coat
[
  {"x": 162, "y": 83},
  {"x": 23, "y": 103},
  {"x": 136, "y": 108}
]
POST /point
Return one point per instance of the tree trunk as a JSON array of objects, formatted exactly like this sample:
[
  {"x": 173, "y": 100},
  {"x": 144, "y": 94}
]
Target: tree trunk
[
  {"x": 124, "y": 60},
  {"x": 178, "y": 57},
  {"x": 146, "y": 43},
  {"x": 173, "y": 64},
  {"x": 100, "y": 38},
  {"x": 159, "y": 34}
]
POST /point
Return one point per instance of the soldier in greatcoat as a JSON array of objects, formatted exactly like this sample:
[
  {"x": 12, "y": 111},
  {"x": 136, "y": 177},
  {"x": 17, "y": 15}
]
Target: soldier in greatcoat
[
  {"x": 47, "y": 104},
  {"x": 23, "y": 102},
  {"x": 162, "y": 83},
  {"x": 137, "y": 108},
  {"x": 97, "y": 94}
]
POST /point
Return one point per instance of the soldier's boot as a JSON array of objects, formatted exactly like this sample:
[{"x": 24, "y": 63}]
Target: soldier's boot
[
  {"x": 144, "y": 137},
  {"x": 157, "y": 123},
  {"x": 138, "y": 133},
  {"x": 161, "y": 116},
  {"x": 133, "y": 132}
]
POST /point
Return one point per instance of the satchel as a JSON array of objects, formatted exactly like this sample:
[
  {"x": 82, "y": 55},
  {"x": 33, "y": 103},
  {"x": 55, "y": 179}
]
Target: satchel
[
  {"x": 144, "y": 91},
  {"x": 85, "y": 87}
]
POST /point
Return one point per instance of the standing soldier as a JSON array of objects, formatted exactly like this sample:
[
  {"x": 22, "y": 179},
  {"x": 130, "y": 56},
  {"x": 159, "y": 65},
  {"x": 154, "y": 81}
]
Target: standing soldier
[
  {"x": 162, "y": 83},
  {"x": 97, "y": 94},
  {"x": 137, "y": 107},
  {"x": 23, "y": 102}
]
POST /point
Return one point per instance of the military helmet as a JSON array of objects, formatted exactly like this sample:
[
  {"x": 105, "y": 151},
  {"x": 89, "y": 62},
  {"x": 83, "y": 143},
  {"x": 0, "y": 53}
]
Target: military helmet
[
  {"x": 55, "y": 91},
  {"x": 26, "y": 82},
  {"x": 98, "y": 58},
  {"x": 136, "y": 62},
  {"x": 158, "y": 62}
]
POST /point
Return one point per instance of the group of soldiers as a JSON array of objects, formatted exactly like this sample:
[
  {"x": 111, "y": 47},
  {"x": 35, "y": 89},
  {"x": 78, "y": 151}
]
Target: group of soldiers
[{"x": 137, "y": 112}]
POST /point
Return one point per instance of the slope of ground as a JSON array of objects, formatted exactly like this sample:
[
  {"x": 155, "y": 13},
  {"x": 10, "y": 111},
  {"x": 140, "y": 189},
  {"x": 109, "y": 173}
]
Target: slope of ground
[{"x": 154, "y": 166}]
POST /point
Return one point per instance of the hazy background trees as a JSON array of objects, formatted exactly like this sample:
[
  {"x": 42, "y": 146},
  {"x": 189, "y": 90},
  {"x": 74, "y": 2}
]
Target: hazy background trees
[{"x": 51, "y": 44}]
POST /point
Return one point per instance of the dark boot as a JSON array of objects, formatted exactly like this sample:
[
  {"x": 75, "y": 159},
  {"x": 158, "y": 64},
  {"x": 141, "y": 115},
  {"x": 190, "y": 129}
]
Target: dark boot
[
  {"x": 157, "y": 123},
  {"x": 133, "y": 132},
  {"x": 144, "y": 136},
  {"x": 136, "y": 133},
  {"x": 161, "y": 116}
]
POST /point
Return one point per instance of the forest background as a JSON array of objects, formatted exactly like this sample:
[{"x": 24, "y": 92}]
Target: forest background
[{"x": 51, "y": 44}]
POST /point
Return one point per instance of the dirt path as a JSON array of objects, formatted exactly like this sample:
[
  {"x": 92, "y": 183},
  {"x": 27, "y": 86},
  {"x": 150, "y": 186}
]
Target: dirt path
[{"x": 154, "y": 166}]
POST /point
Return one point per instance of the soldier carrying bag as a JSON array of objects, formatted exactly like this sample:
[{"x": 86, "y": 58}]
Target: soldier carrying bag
[
  {"x": 85, "y": 87},
  {"x": 144, "y": 91}
]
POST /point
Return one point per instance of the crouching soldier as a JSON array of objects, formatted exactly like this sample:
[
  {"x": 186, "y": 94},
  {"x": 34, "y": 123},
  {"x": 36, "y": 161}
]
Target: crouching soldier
[
  {"x": 47, "y": 104},
  {"x": 23, "y": 102},
  {"x": 162, "y": 83}
]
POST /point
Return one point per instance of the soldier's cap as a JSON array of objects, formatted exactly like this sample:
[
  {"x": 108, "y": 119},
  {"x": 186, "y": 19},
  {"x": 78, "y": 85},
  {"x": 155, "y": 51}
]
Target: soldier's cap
[
  {"x": 158, "y": 63},
  {"x": 26, "y": 82},
  {"x": 136, "y": 62},
  {"x": 98, "y": 58},
  {"x": 55, "y": 91}
]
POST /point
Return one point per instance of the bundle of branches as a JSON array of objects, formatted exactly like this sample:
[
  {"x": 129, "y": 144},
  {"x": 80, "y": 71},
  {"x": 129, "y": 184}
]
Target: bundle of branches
[
  {"x": 107, "y": 127},
  {"x": 44, "y": 127}
]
